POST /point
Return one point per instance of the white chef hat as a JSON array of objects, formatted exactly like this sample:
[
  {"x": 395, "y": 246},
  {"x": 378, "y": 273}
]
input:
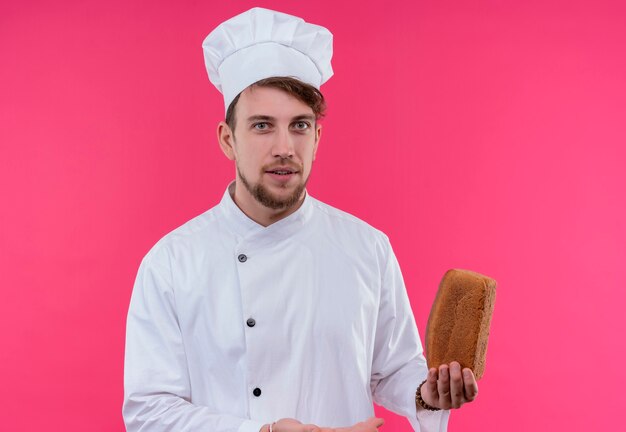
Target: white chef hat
[{"x": 261, "y": 43}]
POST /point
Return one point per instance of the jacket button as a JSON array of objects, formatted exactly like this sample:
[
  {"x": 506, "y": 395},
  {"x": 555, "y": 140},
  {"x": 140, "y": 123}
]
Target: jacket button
[
  {"x": 256, "y": 392},
  {"x": 242, "y": 258},
  {"x": 251, "y": 322}
]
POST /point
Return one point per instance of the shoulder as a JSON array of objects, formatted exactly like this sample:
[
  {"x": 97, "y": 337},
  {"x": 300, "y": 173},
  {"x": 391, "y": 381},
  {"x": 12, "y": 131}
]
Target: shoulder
[
  {"x": 347, "y": 226},
  {"x": 344, "y": 219},
  {"x": 187, "y": 237}
]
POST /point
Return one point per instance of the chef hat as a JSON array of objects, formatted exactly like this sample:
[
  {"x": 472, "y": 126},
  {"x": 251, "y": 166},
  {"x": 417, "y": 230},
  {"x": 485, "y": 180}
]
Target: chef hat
[{"x": 261, "y": 43}]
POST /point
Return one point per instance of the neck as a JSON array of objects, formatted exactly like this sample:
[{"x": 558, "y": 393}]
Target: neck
[{"x": 256, "y": 211}]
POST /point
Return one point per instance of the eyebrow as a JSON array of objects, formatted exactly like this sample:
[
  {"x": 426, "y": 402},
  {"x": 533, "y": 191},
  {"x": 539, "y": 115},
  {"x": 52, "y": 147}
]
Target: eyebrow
[
  {"x": 309, "y": 117},
  {"x": 300, "y": 117}
]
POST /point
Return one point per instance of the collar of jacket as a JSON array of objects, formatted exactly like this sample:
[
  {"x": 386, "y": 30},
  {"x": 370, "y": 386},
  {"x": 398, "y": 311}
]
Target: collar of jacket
[{"x": 245, "y": 228}]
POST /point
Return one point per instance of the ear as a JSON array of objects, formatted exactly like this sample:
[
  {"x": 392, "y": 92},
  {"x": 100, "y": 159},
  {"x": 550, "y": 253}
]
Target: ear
[
  {"x": 318, "y": 136},
  {"x": 226, "y": 138}
]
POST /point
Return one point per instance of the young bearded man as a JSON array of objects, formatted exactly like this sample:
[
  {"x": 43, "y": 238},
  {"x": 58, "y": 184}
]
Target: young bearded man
[{"x": 273, "y": 311}]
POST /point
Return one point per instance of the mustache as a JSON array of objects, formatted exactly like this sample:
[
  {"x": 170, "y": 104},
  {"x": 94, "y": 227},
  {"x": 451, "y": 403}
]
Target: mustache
[{"x": 283, "y": 164}]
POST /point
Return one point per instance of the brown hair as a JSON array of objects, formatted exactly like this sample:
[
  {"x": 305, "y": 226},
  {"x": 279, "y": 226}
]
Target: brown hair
[{"x": 302, "y": 91}]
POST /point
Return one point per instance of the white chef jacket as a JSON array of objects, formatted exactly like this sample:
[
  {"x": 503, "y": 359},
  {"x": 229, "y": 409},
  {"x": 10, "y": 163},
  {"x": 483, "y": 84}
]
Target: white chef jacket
[{"x": 233, "y": 325}]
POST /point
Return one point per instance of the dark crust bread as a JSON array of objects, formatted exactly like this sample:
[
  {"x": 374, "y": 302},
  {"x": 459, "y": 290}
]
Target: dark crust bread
[{"x": 458, "y": 325}]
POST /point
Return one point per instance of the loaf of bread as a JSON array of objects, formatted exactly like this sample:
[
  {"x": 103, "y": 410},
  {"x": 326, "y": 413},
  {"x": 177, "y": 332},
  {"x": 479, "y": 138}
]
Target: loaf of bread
[{"x": 458, "y": 325}]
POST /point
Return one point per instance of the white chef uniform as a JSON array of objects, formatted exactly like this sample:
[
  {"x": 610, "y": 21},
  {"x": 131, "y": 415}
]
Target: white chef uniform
[{"x": 233, "y": 325}]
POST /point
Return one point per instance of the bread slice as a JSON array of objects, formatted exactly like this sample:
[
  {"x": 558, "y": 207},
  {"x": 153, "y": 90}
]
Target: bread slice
[{"x": 458, "y": 325}]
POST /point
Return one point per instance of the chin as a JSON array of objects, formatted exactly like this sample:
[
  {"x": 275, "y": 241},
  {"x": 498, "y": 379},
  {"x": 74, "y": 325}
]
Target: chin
[{"x": 279, "y": 201}]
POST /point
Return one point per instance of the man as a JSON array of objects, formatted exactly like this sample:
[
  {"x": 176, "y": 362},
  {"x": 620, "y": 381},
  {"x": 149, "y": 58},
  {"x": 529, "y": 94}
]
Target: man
[{"x": 273, "y": 311}]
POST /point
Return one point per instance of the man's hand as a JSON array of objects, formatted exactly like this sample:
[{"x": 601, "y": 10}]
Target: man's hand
[
  {"x": 370, "y": 425},
  {"x": 291, "y": 425},
  {"x": 449, "y": 387}
]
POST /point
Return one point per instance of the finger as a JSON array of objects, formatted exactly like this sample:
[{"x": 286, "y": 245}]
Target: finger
[
  {"x": 431, "y": 383},
  {"x": 443, "y": 387},
  {"x": 457, "y": 392},
  {"x": 288, "y": 421},
  {"x": 429, "y": 390},
  {"x": 470, "y": 385},
  {"x": 375, "y": 422}
]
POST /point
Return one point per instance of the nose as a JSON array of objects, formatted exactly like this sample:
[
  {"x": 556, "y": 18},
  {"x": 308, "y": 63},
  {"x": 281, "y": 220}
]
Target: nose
[{"x": 283, "y": 145}]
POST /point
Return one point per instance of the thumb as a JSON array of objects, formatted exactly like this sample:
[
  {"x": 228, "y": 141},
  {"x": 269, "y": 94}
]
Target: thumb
[
  {"x": 375, "y": 422},
  {"x": 431, "y": 383}
]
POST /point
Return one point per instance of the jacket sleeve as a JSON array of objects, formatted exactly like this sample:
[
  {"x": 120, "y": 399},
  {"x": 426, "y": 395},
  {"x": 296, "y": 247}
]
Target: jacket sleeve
[
  {"x": 157, "y": 390},
  {"x": 399, "y": 365}
]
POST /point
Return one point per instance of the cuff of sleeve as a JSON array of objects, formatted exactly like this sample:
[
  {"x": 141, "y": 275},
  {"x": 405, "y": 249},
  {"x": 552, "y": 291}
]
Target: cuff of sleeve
[
  {"x": 250, "y": 426},
  {"x": 430, "y": 421}
]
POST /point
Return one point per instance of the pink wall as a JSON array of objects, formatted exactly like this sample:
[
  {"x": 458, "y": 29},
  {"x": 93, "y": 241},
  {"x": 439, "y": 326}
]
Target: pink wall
[{"x": 478, "y": 134}]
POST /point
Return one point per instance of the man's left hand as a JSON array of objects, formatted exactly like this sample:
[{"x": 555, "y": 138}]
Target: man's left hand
[{"x": 449, "y": 386}]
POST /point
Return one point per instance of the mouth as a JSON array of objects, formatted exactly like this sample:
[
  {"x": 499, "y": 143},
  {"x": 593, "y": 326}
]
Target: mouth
[
  {"x": 282, "y": 174},
  {"x": 282, "y": 170}
]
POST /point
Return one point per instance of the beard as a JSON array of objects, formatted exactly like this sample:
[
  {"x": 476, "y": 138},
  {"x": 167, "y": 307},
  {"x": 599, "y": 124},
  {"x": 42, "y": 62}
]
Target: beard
[{"x": 264, "y": 197}]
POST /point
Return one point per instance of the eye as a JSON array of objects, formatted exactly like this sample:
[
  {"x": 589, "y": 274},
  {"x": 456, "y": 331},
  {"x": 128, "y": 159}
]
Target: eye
[
  {"x": 301, "y": 125},
  {"x": 261, "y": 126}
]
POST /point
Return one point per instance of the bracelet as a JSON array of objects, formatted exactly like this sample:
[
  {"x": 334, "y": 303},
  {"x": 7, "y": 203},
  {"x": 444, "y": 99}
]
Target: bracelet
[
  {"x": 271, "y": 427},
  {"x": 420, "y": 401}
]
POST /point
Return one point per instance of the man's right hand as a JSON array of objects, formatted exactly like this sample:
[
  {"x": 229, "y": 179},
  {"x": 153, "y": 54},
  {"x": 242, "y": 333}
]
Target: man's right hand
[
  {"x": 291, "y": 425},
  {"x": 370, "y": 425}
]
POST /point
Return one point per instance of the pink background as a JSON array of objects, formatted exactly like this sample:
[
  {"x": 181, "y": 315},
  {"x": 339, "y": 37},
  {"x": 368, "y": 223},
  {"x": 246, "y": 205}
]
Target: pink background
[{"x": 486, "y": 135}]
